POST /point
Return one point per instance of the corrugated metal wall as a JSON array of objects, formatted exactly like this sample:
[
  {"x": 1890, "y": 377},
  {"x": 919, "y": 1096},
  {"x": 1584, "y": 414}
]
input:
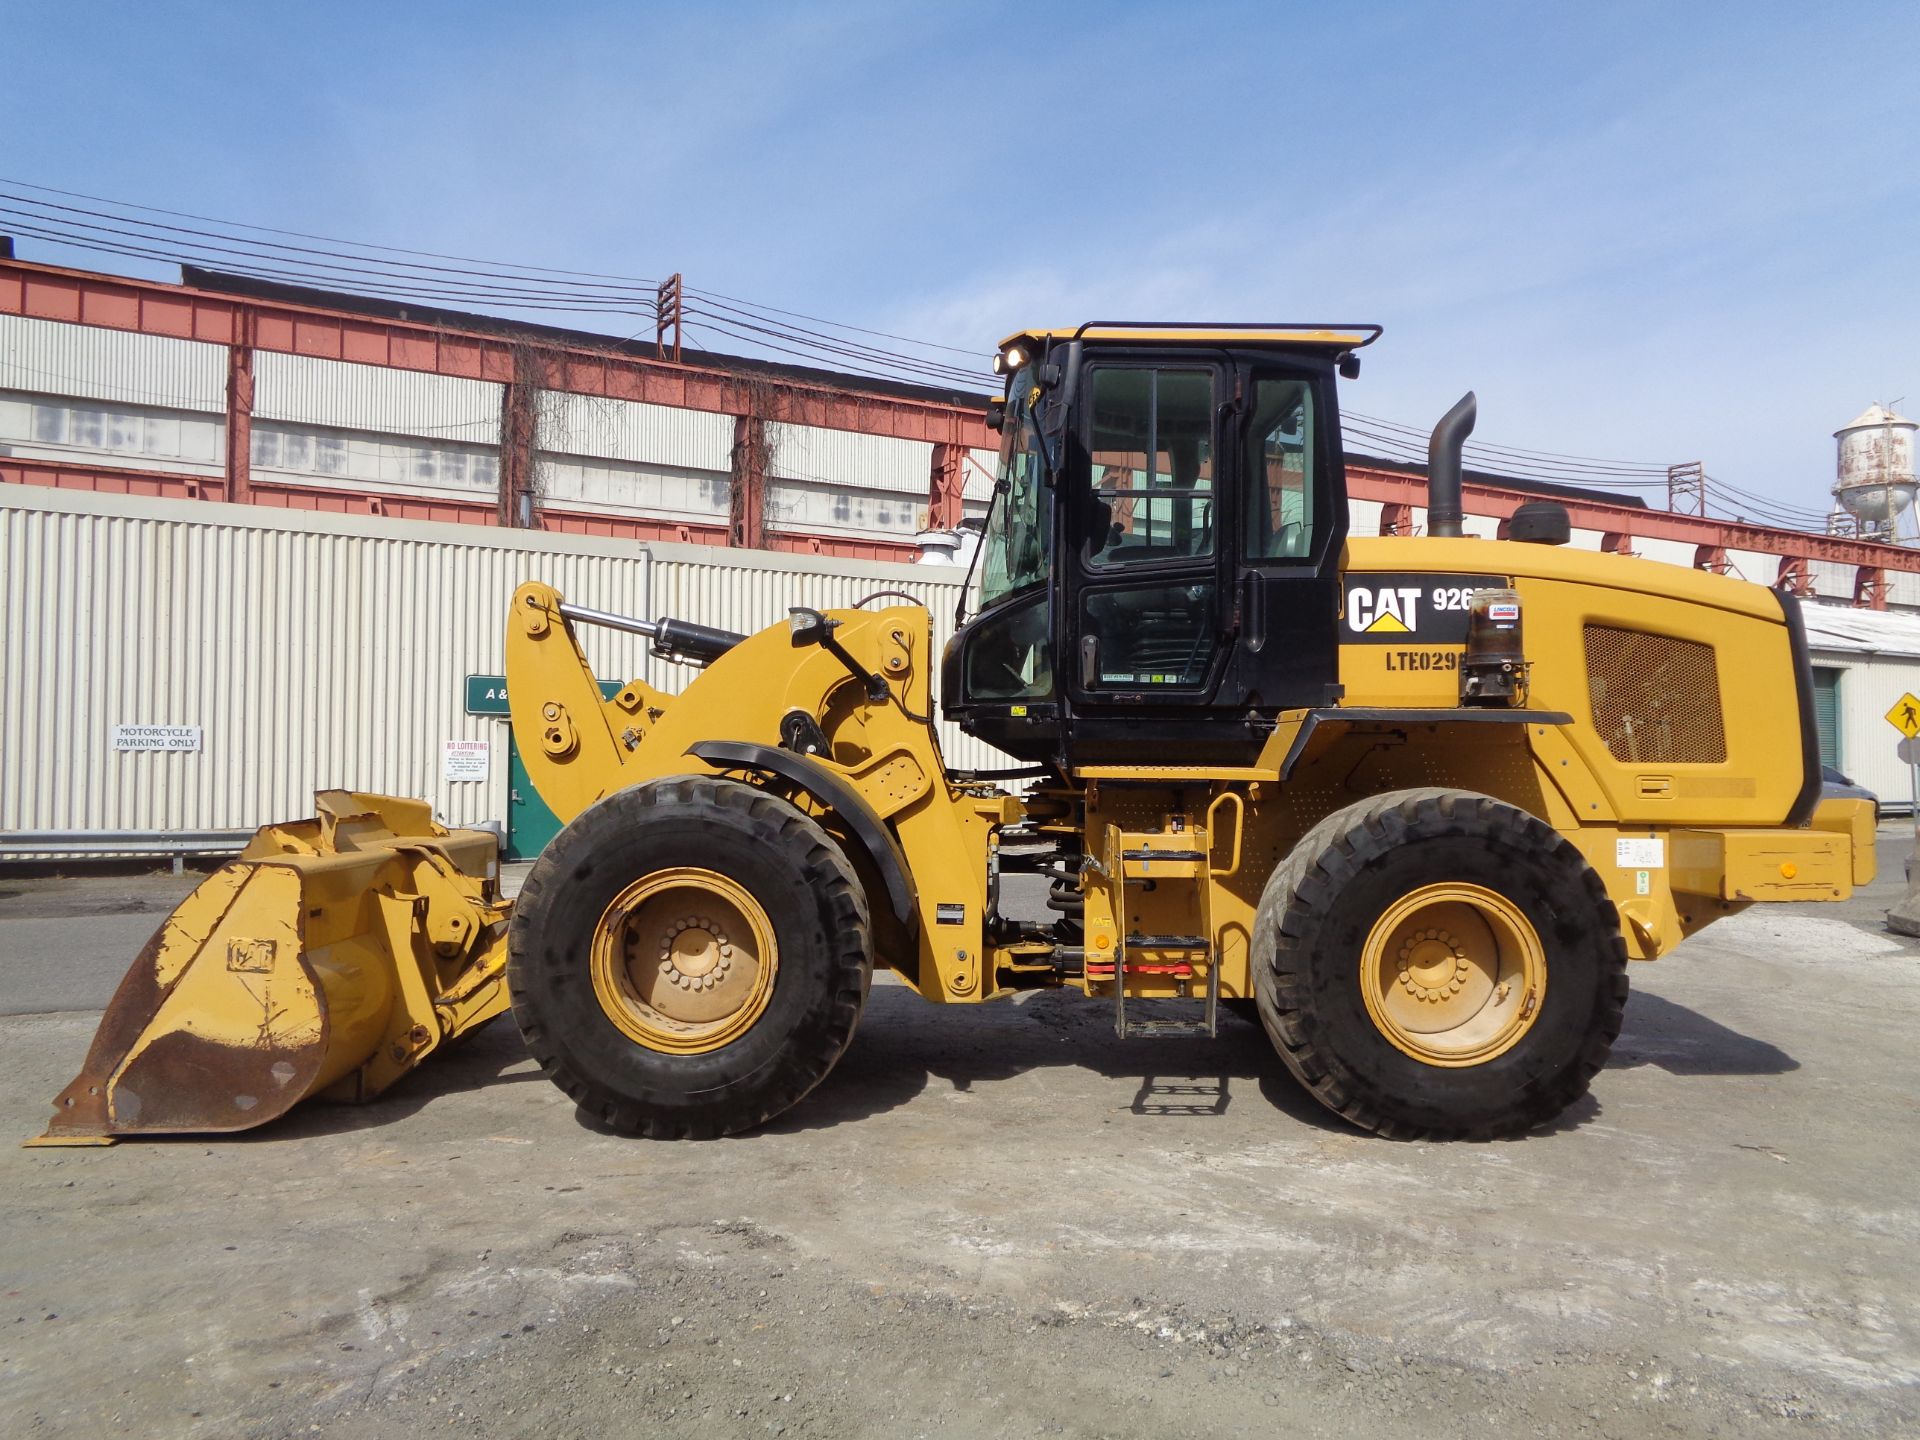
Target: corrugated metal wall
[
  {"x": 311, "y": 651},
  {"x": 48, "y": 357},
  {"x": 840, "y": 457},
  {"x": 339, "y": 393},
  {"x": 315, "y": 651},
  {"x": 980, "y": 468},
  {"x": 591, "y": 425},
  {"x": 1869, "y": 686}
]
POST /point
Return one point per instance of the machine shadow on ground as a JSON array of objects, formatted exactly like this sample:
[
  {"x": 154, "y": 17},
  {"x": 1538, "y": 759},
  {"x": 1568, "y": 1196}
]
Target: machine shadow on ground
[
  {"x": 1685, "y": 1042},
  {"x": 482, "y": 1059},
  {"x": 904, "y": 1045}
]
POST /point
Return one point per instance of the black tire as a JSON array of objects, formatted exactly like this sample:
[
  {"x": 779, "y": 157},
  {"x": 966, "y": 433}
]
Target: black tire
[
  {"x": 791, "y": 867},
  {"x": 1320, "y": 905}
]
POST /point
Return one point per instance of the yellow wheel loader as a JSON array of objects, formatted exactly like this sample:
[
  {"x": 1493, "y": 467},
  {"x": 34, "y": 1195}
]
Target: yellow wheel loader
[{"x": 1416, "y": 802}]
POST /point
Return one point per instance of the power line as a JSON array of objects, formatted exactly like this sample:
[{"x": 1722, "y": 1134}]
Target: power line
[
  {"x": 295, "y": 264},
  {"x": 841, "y": 325},
  {"x": 1545, "y": 458},
  {"x": 304, "y": 235},
  {"x": 395, "y": 289},
  {"x": 948, "y": 373},
  {"x": 358, "y": 267},
  {"x": 525, "y": 285},
  {"x": 1398, "y": 447}
]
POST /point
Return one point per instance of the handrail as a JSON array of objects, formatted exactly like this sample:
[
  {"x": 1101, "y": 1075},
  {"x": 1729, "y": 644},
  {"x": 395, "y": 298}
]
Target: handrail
[{"x": 1239, "y": 826}]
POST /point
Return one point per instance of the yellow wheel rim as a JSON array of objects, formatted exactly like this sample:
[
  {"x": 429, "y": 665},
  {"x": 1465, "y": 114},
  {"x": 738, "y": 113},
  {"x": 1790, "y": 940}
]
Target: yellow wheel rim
[
  {"x": 1453, "y": 974},
  {"x": 684, "y": 961}
]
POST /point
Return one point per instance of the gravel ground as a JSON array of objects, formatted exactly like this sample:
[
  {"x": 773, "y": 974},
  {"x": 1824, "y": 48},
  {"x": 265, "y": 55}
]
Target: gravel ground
[{"x": 997, "y": 1221}]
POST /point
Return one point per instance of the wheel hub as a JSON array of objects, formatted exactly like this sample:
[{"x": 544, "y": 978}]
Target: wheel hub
[
  {"x": 695, "y": 955},
  {"x": 1432, "y": 966},
  {"x": 1452, "y": 974},
  {"x": 684, "y": 961}
]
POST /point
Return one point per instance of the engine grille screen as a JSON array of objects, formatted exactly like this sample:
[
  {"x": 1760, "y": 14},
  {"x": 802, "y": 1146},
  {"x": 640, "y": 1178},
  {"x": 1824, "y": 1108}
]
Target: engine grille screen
[{"x": 1656, "y": 700}]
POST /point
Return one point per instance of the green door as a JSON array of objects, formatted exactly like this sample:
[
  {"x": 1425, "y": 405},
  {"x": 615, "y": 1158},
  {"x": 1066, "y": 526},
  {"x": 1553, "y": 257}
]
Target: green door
[
  {"x": 1826, "y": 713},
  {"x": 530, "y": 824}
]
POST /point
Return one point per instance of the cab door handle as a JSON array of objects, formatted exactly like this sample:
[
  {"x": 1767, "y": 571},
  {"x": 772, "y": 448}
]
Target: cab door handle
[
  {"x": 1253, "y": 613},
  {"x": 1089, "y": 661}
]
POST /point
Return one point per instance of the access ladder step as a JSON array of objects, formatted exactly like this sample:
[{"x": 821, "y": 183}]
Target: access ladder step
[
  {"x": 1166, "y": 1029},
  {"x": 1168, "y": 942},
  {"x": 1163, "y": 855},
  {"x": 1103, "y": 969}
]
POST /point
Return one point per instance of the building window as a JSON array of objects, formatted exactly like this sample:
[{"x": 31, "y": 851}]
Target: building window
[{"x": 88, "y": 427}]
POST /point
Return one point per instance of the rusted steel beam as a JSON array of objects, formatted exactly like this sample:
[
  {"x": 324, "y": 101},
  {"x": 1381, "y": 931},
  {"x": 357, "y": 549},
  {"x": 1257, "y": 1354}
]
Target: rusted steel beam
[
  {"x": 946, "y": 507},
  {"x": 747, "y": 487},
  {"x": 1396, "y": 518},
  {"x": 153, "y": 308},
  {"x": 239, "y": 424},
  {"x": 520, "y": 440},
  {"x": 845, "y": 547},
  {"x": 111, "y": 479},
  {"x": 1712, "y": 557},
  {"x": 1484, "y": 498}
]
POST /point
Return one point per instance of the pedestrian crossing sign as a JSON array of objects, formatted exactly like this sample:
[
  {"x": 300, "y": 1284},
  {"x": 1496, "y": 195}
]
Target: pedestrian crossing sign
[{"x": 1905, "y": 715}]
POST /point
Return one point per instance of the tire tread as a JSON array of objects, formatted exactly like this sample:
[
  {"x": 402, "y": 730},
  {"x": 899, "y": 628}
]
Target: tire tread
[
  {"x": 783, "y": 828},
  {"x": 1305, "y": 887}
]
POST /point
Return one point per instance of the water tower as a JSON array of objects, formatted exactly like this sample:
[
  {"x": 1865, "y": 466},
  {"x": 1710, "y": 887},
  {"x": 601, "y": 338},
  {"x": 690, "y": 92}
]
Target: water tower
[{"x": 1875, "y": 480}]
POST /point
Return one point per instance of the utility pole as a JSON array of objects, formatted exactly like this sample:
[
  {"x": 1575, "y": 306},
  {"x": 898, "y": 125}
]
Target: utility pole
[
  {"x": 668, "y": 313},
  {"x": 1687, "y": 488}
]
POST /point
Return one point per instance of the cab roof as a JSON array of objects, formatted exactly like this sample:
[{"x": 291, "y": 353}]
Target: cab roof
[{"x": 1161, "y": 332}]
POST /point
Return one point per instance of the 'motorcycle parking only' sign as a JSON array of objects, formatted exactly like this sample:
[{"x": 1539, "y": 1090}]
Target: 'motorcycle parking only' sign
[{"x": 162, "y": 739}]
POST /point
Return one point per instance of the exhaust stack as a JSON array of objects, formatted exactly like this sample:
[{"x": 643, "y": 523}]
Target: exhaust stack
[{"x": 1443, "y": 466}]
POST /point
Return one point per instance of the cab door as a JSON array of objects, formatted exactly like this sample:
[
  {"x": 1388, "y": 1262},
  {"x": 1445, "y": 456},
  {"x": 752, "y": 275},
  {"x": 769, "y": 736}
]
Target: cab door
[
  {"x": 1145, "y": 612},
  {"x": 1291, "y": 526},
  {"x": 1205, "y": 510}
]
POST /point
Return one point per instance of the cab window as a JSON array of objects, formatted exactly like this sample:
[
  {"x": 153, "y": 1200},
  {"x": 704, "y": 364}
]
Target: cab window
[
  {"x": 1279, "y": 518},
  {"x": 1152, "y": 497}
]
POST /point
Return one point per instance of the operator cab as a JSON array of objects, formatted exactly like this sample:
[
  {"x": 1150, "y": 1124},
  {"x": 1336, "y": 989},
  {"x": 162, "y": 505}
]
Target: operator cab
[{"x": 1158, "y": 578}]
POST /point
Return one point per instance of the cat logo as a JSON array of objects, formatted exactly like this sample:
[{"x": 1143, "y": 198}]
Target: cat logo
[
  {"x": 1395, "y": 608},
  {"x": 1388, "y": 610}
]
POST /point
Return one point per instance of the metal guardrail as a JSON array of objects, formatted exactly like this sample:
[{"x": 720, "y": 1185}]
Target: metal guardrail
[
  {"x": 176, "y": 845},
  {"x": 138, "y": 844}
]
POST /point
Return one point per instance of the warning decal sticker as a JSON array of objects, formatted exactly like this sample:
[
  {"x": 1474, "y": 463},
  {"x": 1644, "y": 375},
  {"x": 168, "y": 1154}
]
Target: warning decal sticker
[{"x": 1418, "y": 609}]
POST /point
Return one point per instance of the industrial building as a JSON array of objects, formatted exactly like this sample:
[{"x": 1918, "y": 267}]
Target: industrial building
[{"x": 237, "y": 519}]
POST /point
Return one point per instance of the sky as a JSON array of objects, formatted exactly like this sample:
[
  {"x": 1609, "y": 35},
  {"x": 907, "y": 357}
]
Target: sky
[{"x": 1653, "y": 233}]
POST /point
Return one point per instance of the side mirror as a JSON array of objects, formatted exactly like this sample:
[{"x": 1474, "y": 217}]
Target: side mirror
[
  {"x": 996, "y": 413},
  {"x": 808, "y": 627},
  {"x": 1350, "y": 366}
]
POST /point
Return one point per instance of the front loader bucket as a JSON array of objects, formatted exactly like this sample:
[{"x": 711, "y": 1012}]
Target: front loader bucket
[{"x": 333, "y": 956}]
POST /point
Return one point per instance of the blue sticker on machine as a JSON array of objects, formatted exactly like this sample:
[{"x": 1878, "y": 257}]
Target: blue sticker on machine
[{"x": 1389, "y": 608}]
